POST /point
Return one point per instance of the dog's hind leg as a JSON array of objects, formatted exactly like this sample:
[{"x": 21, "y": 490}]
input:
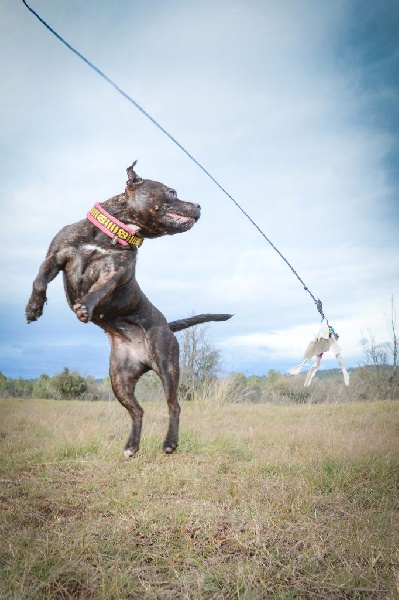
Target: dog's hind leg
[
  {"x": 167, "y": 368},
  {"x": 134, "y": 351},
  {"x": 126, "y": 368}
]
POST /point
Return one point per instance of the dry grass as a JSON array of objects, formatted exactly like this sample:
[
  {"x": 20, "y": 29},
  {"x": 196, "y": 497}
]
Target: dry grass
[{"x": 260, "y": 501}]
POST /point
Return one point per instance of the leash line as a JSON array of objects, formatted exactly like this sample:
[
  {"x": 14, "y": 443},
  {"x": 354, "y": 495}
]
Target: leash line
[{"x": 318, "y": 302}]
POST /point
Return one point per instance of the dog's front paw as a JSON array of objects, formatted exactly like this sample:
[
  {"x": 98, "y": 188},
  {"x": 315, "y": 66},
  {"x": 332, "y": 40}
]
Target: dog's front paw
[
  {"x": 34, "y": 308},
  {"x": 82, "y": 312},
  {"x": 33, "y": 312}
]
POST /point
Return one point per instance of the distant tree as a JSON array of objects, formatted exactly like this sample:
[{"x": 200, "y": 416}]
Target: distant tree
[
  {"x": 273, "y": 375},
  {"x": 376, "y": 354},
  {"x": 393, "y": 344},
  {"x": 199, "y": 360},
  {"x": 3, "y": 386},
  {"x": 69, "y": 384},
  {"x": 15, "y": 388},
  {"x": 197, "y": 354},
  {"x": 381, "y": 360},
  {"x": 42, "y": 387}
]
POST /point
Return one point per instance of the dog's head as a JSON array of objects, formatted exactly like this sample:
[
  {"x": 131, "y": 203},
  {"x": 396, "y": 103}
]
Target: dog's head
[{"x": 155, "y": 208}]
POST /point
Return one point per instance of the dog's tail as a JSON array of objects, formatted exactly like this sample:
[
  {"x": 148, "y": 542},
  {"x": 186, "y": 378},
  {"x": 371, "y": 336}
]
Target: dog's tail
[{"x": 196, "y": 320}]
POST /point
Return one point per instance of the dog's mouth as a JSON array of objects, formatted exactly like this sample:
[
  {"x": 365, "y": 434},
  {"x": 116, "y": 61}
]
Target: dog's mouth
[{"x": 182, "y": 221}]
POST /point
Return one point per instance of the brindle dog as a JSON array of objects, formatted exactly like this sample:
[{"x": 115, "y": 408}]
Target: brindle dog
[{"x": 101, "y": 287}]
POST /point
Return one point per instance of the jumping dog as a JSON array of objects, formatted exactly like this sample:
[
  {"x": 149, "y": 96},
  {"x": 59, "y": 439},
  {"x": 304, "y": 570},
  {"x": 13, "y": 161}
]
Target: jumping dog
[{"x": 98, "y": 258}]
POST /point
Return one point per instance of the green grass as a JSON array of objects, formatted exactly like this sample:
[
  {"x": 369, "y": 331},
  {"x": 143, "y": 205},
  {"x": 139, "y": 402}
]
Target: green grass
[{"x": 260, "y": 501}]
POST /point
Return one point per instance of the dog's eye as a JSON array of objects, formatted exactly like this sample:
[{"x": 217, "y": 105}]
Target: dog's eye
[{"x": 172, "y": 193}]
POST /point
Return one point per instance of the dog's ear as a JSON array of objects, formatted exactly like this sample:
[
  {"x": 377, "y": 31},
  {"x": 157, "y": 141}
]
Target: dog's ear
[{"x": 132, "y": 178}]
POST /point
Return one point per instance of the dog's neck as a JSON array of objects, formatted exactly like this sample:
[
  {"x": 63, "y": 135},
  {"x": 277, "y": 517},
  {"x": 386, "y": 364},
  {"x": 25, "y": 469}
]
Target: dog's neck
[{"x": 120, "y": 233}]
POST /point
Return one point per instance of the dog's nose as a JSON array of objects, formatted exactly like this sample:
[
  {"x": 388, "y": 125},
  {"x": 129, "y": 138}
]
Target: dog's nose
[{"x": 197, "y": 216}]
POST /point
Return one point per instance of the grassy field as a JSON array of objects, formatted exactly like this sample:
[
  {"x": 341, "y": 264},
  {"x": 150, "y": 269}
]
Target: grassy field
[{"x": 260, "y": 501}]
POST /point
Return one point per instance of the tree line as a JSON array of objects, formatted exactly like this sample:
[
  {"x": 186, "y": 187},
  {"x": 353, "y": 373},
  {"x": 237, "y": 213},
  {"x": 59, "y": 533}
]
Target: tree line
[
  {"x": 202, "y": 378},
  {"x": 63, "y": 386},
  {"x": 367, "y": 383}
]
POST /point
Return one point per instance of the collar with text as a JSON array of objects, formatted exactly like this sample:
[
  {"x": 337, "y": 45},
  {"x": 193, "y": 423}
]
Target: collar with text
[{"x": 118, "y": 231}]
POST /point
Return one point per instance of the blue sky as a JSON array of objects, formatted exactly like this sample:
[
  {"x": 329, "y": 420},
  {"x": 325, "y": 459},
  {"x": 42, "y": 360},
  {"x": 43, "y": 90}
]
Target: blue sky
[{"x": 291, "y": 105}]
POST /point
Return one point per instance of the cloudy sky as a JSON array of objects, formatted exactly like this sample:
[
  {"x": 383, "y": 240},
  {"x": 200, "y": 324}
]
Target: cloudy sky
[{"x": 292, "y": 105}]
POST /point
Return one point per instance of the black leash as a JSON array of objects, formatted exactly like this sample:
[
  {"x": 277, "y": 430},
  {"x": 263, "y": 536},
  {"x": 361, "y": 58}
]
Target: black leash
[{"x": 318, "y": 302}]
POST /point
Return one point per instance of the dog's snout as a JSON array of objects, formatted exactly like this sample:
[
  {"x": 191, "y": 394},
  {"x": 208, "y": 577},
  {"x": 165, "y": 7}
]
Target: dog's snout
[{"x": 198, "y": 206}]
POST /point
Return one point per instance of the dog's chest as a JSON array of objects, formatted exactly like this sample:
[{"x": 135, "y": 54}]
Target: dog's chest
[
  {"x": 92, "y": 249},
  {"x": 90, "y": 263}
]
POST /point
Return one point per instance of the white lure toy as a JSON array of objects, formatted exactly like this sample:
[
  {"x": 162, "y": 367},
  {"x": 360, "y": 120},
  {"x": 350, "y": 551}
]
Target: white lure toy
[{"x": 325, "y": 340}]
